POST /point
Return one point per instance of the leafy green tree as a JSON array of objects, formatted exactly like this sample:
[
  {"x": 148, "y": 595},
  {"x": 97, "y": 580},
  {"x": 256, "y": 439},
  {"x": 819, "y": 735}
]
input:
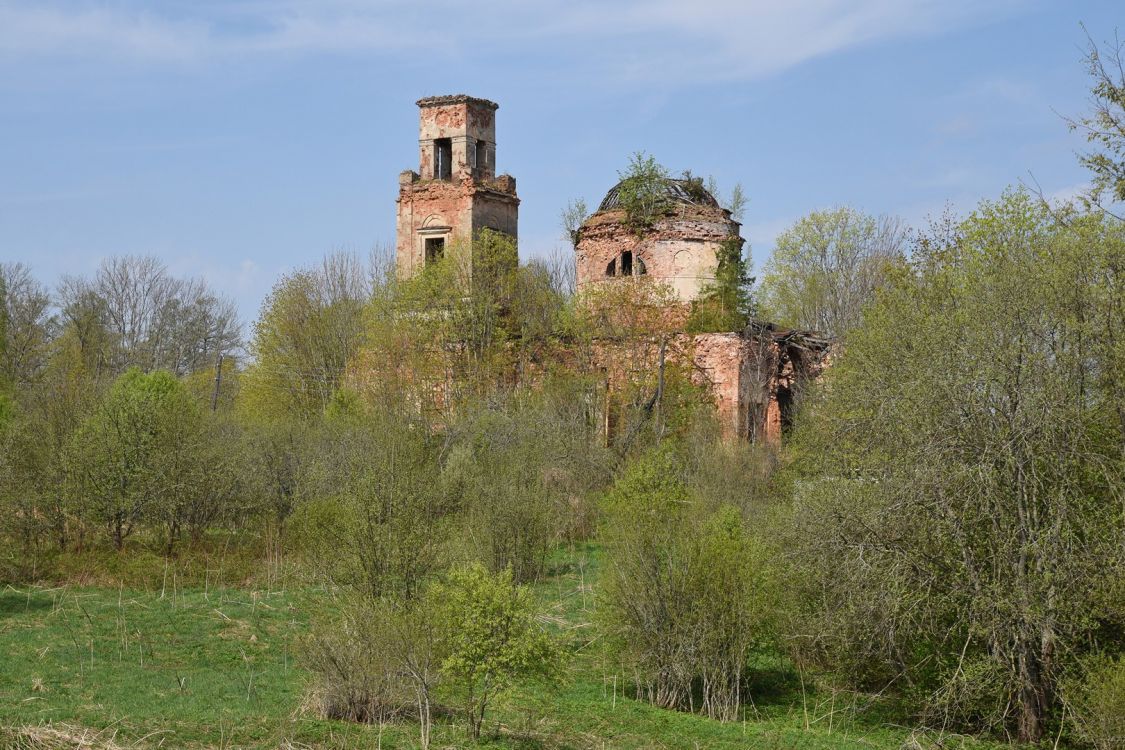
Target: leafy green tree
[
  {"x": 731, "y": 593},
  {"x": 130, "y": 461},
  {"x": 310, "y": 327},
  {"x": 483, "y": 316},
  {"x": 959, "y": 524},
  {"x": 280, "y": 456},
  {"x": 725, "y": 304},
  {"x": 493, "y": 639},
  {"x": 54, "y": 403},
  {"x": 538, "y": 307},
  {"x": 826, "y": 267},
  {"x": 646, "y": 588},
  {"x": 456, "y": 332},
  {"x": 207, "y": 484},
  {"x": 522, "y": 468},
  {"x": 374, "y": 518}
]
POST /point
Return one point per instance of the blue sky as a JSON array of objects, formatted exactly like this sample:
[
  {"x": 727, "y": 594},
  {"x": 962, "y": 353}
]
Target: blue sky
[{"x": 238, "y": 139}]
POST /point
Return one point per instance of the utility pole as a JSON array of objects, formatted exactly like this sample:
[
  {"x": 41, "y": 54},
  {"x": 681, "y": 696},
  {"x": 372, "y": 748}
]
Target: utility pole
[{"x": 218, "y": 382}]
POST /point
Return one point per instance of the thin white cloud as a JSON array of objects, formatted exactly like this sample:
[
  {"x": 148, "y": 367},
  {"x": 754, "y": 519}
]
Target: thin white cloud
[
  {"x": 667, "y": 40},
  {"x": 43, "y": 30},
  {"x": 996, "y": 88},
  {"x": 249, "y": 276},
  {"x": 748, "y": 38}
]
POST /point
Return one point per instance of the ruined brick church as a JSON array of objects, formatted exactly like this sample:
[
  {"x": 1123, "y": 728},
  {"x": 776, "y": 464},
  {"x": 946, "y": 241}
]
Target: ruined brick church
[{"x": 752, "y": 375}]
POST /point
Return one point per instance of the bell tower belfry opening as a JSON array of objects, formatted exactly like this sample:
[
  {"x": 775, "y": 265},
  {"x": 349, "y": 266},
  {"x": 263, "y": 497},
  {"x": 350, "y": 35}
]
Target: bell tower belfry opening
[{"x": 456, "y": 192}]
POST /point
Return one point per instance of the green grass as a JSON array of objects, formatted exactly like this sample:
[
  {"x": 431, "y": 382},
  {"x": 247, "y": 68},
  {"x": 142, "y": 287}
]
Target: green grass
[
  {"x": 221, "y": 668},
  {"x": 202, "y": 666}
]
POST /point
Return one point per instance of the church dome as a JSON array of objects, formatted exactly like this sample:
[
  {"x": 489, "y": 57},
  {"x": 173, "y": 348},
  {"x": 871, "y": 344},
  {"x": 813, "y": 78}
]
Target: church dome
[{"x": 677, "y": 190}]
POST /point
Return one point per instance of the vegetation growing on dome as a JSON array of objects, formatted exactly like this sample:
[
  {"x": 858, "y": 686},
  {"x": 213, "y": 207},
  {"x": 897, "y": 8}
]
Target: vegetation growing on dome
[
  {"x": 646, "y": 190},
  {"x": 694, "y": 187},
  {"x": 642, "y": 192}
]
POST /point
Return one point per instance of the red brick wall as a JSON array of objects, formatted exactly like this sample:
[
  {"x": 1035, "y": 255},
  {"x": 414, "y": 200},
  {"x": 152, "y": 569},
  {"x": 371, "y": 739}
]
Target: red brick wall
[{"x": 679, "y": 249}]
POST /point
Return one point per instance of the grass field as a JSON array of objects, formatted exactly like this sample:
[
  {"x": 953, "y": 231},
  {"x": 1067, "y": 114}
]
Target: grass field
[{"x": 207, "y": 667}]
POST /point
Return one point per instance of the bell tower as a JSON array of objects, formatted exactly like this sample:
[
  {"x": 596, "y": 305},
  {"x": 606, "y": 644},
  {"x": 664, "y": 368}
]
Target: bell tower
[{"x": 455, "y": 193}]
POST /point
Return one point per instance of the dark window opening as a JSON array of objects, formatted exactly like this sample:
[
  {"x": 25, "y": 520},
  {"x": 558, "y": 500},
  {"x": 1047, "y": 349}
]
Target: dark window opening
[
  {"x": 642, "y": 269},
  {"x": 482, "y": 155},
  {"x": 627, "y": 263},
  {"x": 785, "y": 407},
  {"x": 435, "y": 249},
  {"x": 443, "y": 159},
  {"x": 611, "y": 269}
]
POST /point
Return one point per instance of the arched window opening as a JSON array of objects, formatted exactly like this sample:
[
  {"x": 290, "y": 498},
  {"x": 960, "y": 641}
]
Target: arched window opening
[
  {"x": 642, "y": 269},
  {"x": 627, "y": 263},
  {"x": 611, "y": 269}
]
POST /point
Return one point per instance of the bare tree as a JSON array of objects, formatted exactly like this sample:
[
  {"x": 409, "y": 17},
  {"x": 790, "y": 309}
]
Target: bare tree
[
  {"x": 563, "y": 270},
  {"x": 29, "y": 325},
  {"x": 156, "y": 321},
  {"x": 736, "y": 204}
]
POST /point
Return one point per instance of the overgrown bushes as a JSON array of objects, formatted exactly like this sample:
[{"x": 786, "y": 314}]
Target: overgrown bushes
[
  {"x": 958, "y": 520},
  {"x": 455, "y": 647},
  {"x": 686, "y": 591},
  {"x": 1095, "y": 700}
]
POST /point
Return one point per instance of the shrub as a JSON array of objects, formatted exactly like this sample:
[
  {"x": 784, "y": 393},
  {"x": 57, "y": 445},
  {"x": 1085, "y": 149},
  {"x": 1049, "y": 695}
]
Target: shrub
[
  {"x": 492, "y": 639},
  {"x": 1097, "y": 703},
  {"x": 470, "y": 638},
  {"x": 376, "y": 525},
  {"x": 683, "y": 590},
  {"x": 371, "y": 664}
]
